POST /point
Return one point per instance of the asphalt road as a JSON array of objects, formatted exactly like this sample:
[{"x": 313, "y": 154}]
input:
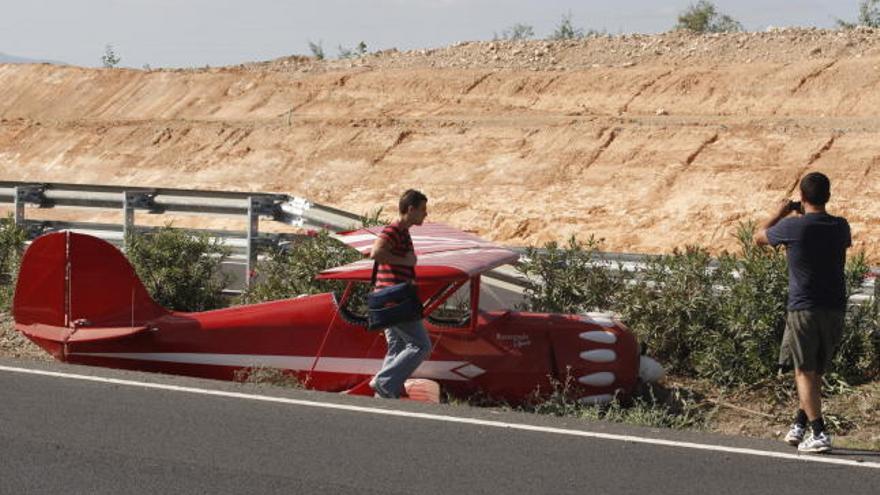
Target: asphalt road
[{"x": 71, "y": 435}]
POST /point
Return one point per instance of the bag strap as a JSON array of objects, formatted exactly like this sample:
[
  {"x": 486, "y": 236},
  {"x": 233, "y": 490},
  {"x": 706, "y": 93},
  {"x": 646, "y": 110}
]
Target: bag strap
[{"x": 375, "y": 270}]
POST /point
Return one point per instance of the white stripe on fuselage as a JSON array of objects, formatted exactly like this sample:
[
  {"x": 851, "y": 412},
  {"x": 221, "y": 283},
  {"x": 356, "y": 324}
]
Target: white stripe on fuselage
[{"x": 438, "y": 370}]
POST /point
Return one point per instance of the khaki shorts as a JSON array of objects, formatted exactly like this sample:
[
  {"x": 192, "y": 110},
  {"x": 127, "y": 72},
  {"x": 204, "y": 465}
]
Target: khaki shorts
[{"x": 811, "y": 338}]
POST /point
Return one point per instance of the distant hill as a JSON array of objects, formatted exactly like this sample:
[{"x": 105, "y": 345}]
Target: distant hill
[
  {"x": 650, "y": 142},
  {"x": 12, "y": 59}
]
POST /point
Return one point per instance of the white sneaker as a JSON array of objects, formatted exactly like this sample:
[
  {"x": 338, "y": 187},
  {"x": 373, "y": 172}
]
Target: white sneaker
[
  {"x": 816, "y": 444},
  {"x": 795, "y": 435}
]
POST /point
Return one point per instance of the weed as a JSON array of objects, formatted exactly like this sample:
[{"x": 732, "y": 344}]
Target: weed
[
  {"x": 565, "y": 30},
  {"x": 359, "y": 51},
  {"x": 838, "y": 424},
  {"x": 834, "y": 384},
  {"x": 869, "y": 15},
  {"x": 651, "y": 406},
  {"x": 374, "y": 218},
  {"x": 703, "y": 17},
  {"x": 478, "y": 399},
  {"x": 264, "y": 375},
  {"x": 110, "y": 59},
  {"x": 516, "y": 32},
  {"x": 12, "y": 239},
  {"x": 561, "y": 401},
  {"x": 678, "y": 411},
  {"x": 317, "y": 49}
]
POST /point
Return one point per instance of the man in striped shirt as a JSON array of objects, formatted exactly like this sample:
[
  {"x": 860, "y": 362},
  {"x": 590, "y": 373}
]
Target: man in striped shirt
[{"x": 408, "y": 342}]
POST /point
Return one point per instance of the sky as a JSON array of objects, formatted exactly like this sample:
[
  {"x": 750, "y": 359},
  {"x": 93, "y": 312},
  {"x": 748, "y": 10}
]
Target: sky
[{"x": 196, "y": 33}]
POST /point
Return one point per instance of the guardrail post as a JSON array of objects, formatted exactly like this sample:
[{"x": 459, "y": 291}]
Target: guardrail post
[
  {"x": 26, "y": 194},
  {"x": 128, "y": 202},
  {"x": 131, "y": 201},
  {"x": 20, "y": 193},
  {"x": 255, "y": 205}
]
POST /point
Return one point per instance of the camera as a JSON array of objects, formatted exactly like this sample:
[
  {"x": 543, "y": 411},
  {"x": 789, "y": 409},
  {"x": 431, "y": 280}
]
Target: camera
[{"x": 796, "y": 206}]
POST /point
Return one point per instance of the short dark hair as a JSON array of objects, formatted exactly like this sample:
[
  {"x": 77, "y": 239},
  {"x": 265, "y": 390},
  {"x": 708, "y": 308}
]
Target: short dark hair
[
  {"x": 816, "y": 188},
  {"x": 411, "y": 198}
]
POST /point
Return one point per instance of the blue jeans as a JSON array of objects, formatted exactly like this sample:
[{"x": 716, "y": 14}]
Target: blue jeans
[{"x": 408, "y": 346}]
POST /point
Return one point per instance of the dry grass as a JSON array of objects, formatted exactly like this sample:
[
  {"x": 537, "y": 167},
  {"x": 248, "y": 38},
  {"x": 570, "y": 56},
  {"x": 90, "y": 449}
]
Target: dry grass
[
  {"x": 852, "y": 414},
  {"x": 263, "y": 375},
  {"x": 14, "y": 344}
]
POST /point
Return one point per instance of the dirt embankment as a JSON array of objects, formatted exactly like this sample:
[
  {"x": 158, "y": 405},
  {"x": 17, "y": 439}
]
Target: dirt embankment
[{"x": 650, "y": 142}]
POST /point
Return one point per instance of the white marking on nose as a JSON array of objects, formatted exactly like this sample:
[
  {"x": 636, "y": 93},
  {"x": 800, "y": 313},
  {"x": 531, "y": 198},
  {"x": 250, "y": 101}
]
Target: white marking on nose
[
  {"x": 600, "y": 379},
  {"x": 600, "y": 336},
  {"x": 599, "y": 356},
  {"x": 601, "y": 319}
]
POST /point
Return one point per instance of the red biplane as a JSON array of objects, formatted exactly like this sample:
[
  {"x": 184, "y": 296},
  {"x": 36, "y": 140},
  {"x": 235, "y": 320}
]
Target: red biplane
[{"x": 79, "y": 299}]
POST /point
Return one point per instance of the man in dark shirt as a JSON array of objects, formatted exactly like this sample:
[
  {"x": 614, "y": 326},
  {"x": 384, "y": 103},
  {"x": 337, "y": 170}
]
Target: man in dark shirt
[
  {"x": 408, "y": 342},
  {"x": 816, "y": 243}
]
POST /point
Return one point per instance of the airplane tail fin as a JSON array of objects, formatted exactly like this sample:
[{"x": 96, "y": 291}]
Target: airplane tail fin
[{"x": 72, "y": 282}]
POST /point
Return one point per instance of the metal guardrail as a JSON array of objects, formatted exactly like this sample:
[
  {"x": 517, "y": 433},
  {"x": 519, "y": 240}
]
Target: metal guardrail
[
  {"x": 253, "y": 207},
  {"x": 277, "y": 207}
]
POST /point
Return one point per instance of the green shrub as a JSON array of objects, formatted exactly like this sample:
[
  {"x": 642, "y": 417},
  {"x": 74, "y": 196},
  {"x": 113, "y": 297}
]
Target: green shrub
[
  {"x": 858, "y": 358},
  {"x": 703, "y": 17},
  {"x": 291, "y": 272},
  {"x": 565, "y": 30},
  {"x": 516, "y": 32},
  {"x": 721, "y": 320},
  {"x": 570, "y": 279},
  {"x": 751, "y": 309},
  {"x": 869, "y": 15},
  {"x": 12, "y": 239},
  {"x": 180, "y": 270},
  {"x": 110, "y": 59},
  {"x": 672, "y": 307}
]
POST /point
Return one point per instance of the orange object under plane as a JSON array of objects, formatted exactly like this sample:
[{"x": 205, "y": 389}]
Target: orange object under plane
[{"x": 78, "y": 298}]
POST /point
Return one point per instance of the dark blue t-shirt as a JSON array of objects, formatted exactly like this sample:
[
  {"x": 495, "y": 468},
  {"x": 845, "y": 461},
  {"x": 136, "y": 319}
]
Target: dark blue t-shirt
[{"x": 816, "y": 244}]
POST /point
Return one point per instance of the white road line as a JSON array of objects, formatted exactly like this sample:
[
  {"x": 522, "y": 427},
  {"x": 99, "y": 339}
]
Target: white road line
[{"x": 454, "y": 419}]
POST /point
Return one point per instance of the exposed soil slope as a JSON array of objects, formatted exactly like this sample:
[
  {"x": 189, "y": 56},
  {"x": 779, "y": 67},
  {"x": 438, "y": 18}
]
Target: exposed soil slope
[{"x": 650, "y": 142}]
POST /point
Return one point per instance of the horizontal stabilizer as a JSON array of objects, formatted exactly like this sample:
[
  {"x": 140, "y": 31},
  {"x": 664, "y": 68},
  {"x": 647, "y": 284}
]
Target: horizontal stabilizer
[{"x": 66, "y": 334}]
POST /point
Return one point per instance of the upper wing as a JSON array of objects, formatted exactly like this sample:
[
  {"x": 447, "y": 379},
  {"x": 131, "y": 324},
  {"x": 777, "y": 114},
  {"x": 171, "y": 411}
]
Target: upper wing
[{"x": 443, "y": 252}]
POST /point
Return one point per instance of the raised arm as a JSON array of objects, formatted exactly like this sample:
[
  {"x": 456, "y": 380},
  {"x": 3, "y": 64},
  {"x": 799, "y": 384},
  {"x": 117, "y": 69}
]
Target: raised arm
[{"x": 781, "y": 211}]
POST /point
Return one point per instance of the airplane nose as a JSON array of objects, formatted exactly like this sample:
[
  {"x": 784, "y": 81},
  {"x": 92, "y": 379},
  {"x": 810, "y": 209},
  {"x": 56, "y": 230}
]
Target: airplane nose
[{"x": 606, "y": 358}]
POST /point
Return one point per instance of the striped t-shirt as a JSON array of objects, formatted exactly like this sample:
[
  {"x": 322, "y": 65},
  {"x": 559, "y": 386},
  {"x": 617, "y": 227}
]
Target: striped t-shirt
[{"x": 400, "y": 243}]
